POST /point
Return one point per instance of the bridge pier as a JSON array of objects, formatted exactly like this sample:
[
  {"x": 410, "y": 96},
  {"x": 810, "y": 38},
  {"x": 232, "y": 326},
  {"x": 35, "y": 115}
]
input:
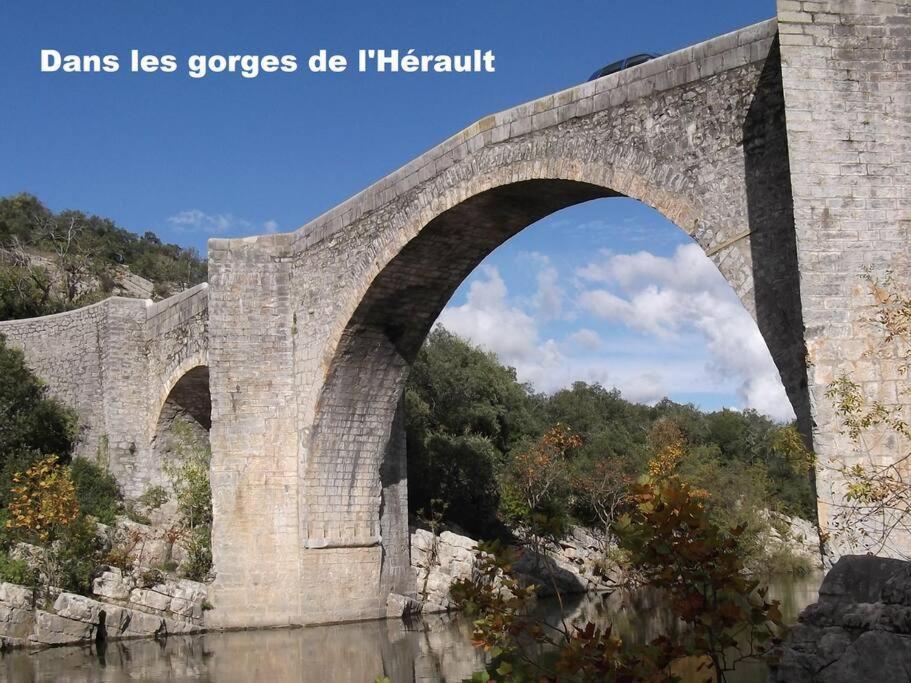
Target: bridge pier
[{"x": 845, "y": 69}]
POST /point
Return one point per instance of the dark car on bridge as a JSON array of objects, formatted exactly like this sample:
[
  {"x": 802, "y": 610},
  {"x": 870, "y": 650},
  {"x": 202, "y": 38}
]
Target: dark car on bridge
[{"x": 622, "y": 64}]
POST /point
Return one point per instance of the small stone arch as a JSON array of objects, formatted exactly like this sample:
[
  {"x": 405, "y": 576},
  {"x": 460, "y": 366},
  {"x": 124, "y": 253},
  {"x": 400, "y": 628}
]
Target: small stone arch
[{"x": 183, "y": 418}]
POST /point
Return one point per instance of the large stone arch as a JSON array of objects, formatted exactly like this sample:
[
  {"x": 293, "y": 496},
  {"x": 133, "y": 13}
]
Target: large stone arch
[
  {"x": 356, "y": 448},
  {"x": 442, "y": 231},
  {"x": 312, "y": 332}
]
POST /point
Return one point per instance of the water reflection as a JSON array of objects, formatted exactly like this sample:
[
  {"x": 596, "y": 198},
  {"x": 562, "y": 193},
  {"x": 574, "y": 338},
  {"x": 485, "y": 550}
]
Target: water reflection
[
  {"x": 433, "y": 650},
  {"x": 642, "y": 615}
]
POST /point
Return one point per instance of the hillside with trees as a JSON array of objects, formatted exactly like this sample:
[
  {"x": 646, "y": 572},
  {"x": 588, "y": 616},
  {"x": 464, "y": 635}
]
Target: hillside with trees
[
  {"x": 53, "y": 262},
  {"x": 488, "y": 453}
]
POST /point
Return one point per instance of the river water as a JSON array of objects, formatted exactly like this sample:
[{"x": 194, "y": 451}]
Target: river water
[{"x": 434, "y": 649}]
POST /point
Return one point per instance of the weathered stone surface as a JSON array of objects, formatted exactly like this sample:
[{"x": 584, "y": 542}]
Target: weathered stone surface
[
  {"x": 113, "y": 585},
  {"x": 568, "y": 566},
  {"x": 16, "y": 617},
  {"x": 13, "y": 595},
  {"x": 180, "y": 597},
  {"x": 794, "y": 536},
  {"x": 133, "y": 623},
  {"x": 858, "y": 630},
  {"x": 400, "y": 606},
  {"x": 574, "y": 565},
  {"x": 172, "y": 607},
  {"x": 124, "y": 365},
  {"x": 150, "y": 599},
  {"x": 438, "y": 562},
  {"x": 845, "y": 75},
  {"x": 52, "y": 629},
  {"x": 78, "y": 608}
]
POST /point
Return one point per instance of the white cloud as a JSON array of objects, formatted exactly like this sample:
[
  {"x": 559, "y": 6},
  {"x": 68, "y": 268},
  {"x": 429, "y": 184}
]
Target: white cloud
[
  {"x": 587, "y": 338},
  {"x": 212, "y": 223},
  {"x": 488, "y": 320},
  {"x": 548, "y": 299},
  {"x": 671, "y": 297},
  {"x": 271, "y": 226},
  {"x": 492, "y": 321},
  {"x": 686, "y": 333}
]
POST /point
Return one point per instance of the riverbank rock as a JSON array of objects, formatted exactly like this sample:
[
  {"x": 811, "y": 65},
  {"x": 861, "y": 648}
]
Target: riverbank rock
[
  {"x": 147, "y": 545},
  {"x": 401, "y": 606},
  {"x": 122, "y": 610},
  {"x": 16, "y": 617},
  {"x": 860, "y": 629},
  {"x": 439, "y": 561},
  {"x": 573, "y": 565},
  {"x": 793, "y": 536}
]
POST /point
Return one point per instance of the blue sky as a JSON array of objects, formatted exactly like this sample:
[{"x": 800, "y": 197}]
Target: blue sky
[{"x": 224, "y": 155}]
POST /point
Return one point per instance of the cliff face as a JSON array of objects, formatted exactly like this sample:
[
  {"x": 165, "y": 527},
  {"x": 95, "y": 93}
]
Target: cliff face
[{"x": 860, "y": 630}]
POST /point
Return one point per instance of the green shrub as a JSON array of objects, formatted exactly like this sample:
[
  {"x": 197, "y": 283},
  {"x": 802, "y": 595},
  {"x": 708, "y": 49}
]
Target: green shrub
[
  {"x": 198, "y": 564},
  {"x": 168, "y": 566},
  {"x": 189, "y": 477},
  {"x": 98, "y": 245},
  {"x": 134, "y": 513},
  {"x": 78, "y": 553},
  {"x": 16, "y": 571},
  {"x": 96, "y": 490},
  {"x": 31, "y": 423},
  {"x": 153, "y": 498},
  {"x": 151, "y": 577}
]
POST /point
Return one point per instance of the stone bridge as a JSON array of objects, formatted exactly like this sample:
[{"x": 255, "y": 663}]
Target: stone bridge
[
  {"x": 782, "y": 149},
  {"x": 128, "y": 367}
]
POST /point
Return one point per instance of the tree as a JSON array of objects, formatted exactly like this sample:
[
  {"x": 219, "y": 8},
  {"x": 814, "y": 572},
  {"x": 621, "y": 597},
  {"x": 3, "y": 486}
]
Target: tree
[
  {"x": 52, "y": 262},
  {"x": 43, "y": 501},
  {"x": 680, "y": 550},
  {"x": 535, "y": 481},
  {"x": 667, "y": 447},
  {"x": 464, "y": 412},
  {"x": 601, "y": 488},
  {"x": 32, "y": 424}
]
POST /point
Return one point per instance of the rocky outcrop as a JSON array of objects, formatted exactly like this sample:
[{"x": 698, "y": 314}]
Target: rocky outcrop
[
  {"x": 795, "y": 537},
  {"x": 401, "y": 606},
  {"x": 859, "y": 630},
  {"x": 573, "y": 565},
  {"x": 148, "y": 545},
  {"x": 122, "y": 610},
  {"x": 439, "y": 561}
]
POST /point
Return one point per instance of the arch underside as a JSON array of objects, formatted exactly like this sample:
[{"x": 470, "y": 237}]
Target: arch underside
[
  {"x": 351, "y": 450},
  {"x": 388, "y": 327},
  {"x": 184, "y": 421}
]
